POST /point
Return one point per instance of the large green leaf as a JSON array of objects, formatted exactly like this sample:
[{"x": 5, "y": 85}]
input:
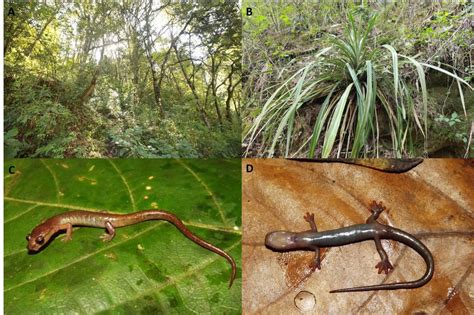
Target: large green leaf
[{"x": 149, "y": 267}]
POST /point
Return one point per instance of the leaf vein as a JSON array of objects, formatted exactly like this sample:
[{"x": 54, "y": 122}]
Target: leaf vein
[
  {"x": 125, "y": 183},
  {"x": 208, "y": 190},
  {"x": 20, "y": 214},
  {"x": 56, "y": 183},
  {"x": 174, "y": 280}
]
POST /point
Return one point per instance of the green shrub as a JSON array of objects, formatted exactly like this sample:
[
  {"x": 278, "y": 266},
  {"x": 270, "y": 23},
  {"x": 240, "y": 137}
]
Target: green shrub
[
  {"x": 11, "y": 145},
  {"x": 56, "y": 146},
  {"x": 150, "y": 143},
  {"x": 40, "y": 121},
  {"x": 219, "y": 142}
]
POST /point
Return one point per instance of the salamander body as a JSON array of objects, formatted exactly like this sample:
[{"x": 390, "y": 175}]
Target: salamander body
[
  {"x": 44, "y": 232},
  {"x": 372, "y": 230}
]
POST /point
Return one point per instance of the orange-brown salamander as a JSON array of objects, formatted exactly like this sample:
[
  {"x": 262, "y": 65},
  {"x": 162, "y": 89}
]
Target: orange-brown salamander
[
  {"x": 313, "y": 240},
  {"x": 65, "y": 221}
]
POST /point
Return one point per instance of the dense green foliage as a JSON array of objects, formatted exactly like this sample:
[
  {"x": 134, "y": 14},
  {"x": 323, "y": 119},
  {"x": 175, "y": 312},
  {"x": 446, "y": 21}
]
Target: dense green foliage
[
  {"x": 355, "y": 80},
  {"x": 132, "y": 79}
]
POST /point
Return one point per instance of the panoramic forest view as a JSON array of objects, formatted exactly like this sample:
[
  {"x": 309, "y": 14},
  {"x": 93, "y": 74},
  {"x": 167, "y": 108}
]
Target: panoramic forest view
[
  {"x": 122, "y": 79},
  {"x": 352, "y": 79}
]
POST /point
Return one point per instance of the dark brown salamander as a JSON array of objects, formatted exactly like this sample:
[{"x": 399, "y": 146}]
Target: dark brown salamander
[
  {"x": 65, "y": 221},
  {"x": 313, "y": 240}
]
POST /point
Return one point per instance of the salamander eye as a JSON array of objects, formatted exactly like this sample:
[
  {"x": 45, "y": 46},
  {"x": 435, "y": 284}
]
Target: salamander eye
[
  {"x": 28, "y": 237},
  {"x": 39, "y": 240}
]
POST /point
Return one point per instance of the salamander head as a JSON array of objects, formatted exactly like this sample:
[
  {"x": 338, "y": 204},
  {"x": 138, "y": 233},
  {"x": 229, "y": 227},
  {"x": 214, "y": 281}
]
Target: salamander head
[
  {"x": 40, "y": 236},
  {"x": 281, "y": 241}
]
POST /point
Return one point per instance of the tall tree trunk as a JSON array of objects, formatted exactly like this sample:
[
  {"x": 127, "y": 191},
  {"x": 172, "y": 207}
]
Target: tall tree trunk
[
  {"x": 157, "y": 78},
  {"x": 40, "y": 34},
  {"x": 135, "y": 66},
  {"x": 230, "y": 92},
  {"x": 89, "y": 90},
  {"x": 214, "y": 71},
  {"x": 199, "y": 107},
  {"x": 156, "y": 86},
  {"x": 231, "y": 89}
]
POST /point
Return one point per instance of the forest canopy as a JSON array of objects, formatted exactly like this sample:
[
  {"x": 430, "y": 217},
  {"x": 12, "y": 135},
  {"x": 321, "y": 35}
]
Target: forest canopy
[{"x": 122, "y": 79}]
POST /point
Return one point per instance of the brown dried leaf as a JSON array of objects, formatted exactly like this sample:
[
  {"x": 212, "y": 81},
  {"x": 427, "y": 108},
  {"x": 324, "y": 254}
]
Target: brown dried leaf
[{"x": 433, "y": 201}]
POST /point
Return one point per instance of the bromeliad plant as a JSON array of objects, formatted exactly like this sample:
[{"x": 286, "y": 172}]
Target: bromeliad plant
[{"x": 357, "y": 83}]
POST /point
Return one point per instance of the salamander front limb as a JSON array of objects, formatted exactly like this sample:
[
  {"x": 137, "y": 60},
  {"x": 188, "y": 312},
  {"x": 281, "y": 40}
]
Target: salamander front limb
[
  {"x": 68, "y": 228},
  {"x": 316, "y": 264}
]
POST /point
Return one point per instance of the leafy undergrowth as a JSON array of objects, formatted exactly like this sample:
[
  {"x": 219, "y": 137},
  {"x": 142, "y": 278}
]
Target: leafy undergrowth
[{"x": 149, "y": 267}]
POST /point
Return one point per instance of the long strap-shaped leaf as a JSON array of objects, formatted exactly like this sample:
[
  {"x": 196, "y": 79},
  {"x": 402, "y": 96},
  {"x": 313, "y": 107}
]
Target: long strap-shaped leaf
[
  {"x": 394, "y": 54},
  {"x": 296, "y": 105},
  {"x": 424, "y": 93},
  {"x": 331, "y": 132},
  {"x": 364, "y": 123},
  {"x": 254, "y": 130},
  {"x": 365, "y": 102},
  {"x": 318, "y": 125}
]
